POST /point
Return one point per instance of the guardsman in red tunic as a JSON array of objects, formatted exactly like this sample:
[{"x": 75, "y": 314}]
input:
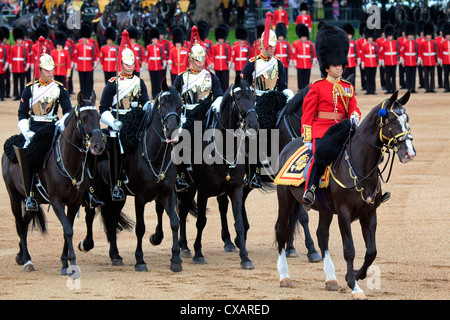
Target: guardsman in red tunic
[
  {"x": 329, "y": 100},
  {"x": 419, "y": 40},
  {"x": 280, "y": 15},
  {"x": 444, "y": 54},
  {"x": 408, "y": 57},
  {"x": 401, "y": 69},
  {"x": 352, "y": 56},
  {"x": 283, "y": 50},
  {"x": 165, "y": 43},
  {"x": 360, "y": 43},
  {"x": 177, "y": 54},
  {"x": 369, "y": 60},
  {"x": 84, "y": 57},
  {"x": 389, "y": 54},
  {"x": 304, "y": 17},
  {"x": 428, "y": 58},
  {"x": 304, "y": 56},
  {"x": 5, "y": 40},
  {"x": 18, "y": 61},
  {"x": 379, "y": 42},
  {"x": 154, "y": 57},
  {"x": 61, "y": 58},
  {"x": 439, "y": 40},
  {"x": 108, "y": 54},
  {"x": 3, "y": 66},
  {"x": 240, "y": 52},
  {"x": 221, "y": 57}
]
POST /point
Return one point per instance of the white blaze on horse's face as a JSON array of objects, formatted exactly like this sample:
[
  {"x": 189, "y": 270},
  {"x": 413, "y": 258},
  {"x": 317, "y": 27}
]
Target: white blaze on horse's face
[{"x": 410, "y": 152}]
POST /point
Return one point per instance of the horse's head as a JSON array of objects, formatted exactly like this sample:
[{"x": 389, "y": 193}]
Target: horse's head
[
  {"x": 87, "y": 121},
  {"x": 243, "y": 103},
  {"x": 395, "y": 131},
  {"x": 168, "y": 104}
]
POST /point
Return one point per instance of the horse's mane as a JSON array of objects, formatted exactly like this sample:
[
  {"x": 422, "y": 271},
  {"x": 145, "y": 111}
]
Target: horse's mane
[{"x": 296, "y": 102}]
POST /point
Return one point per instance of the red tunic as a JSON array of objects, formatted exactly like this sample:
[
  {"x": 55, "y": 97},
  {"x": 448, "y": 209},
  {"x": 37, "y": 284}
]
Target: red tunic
[
  {"x": 303, "y": 54},
  {"x": 352, "y": 54},
  {"x": 84, "y": 56},
  {"x": 154, "y": 56},
  {"x": 61, "y": 58},
  {"x": 18, "y": 58},
  {"x": 369, "y": 55},
  {"x": 409, "y": 53},
  {"x": 280, "y": 16},
  {"x": 283, "y": 52},
  {"x": 221, "y": 55},
  {"x": 108, "y": 58},
  {"x": 444, "y": 51},
  {"x": 176, "y": 59},
  {"x": 239, "y": 55},
  {"x": 427, "y": 51},
  {"x": 389, "y": 52}
]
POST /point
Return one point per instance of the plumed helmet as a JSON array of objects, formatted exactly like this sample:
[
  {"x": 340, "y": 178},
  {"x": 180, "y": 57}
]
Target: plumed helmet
[
  {"x": 46, "y": 62},
  {"x": 410, "y": 29},
  {"x": 281, "y": 30},
  {"x": 348, "y": 28},
  {"x": 128, "y": 56},
  {"x": 302, "y": 30},
  {"x": 241, "y": 32},
  {"x": 60, "y": 38},
  {"x": 332, "y": 45},
  {"x": 268, "y": 37},
  {"x": 272, "y": 38},
  {"x": 110, "y": 34}
]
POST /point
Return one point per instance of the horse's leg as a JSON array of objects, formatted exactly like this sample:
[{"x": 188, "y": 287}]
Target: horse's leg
[
  {"x": 312, "y": 254},
  {"x": 368, "y": 227},
  {"x": 175, "y": 261},
  {"x": 158, "y": 236},
  {"x": 111, "y": 212},
  {"x": 184, "y": 204},
  {"x": 246, "y": 192},
  {"x": 323, "y": 235},
  {"x": 349, "y": 253},
  {"x": 286, "y": 203},
  {"x": 202, "y": 201},
  {"x": 223, "y": 202},
  {"x": 88, "y": 243},
  {"x": 139, "y": 205},
  {"x": 23, "y": 256},
  {"x": 236, "y": 202}
]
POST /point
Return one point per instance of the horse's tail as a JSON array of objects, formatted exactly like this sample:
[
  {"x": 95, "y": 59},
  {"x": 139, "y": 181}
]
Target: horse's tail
[
  {"x": 124, "y": 223},
  {"x": 38, "y": 220}
]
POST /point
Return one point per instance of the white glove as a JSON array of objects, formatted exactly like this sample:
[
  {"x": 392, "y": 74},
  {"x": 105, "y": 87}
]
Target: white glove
[
  {"x": 362, "y": 65},
  {"x": 419, "y": 61},
  {"x": 216, "y": 104},
  {"x": 60, "y": 123},
  {"x": 289, "y": 94},
  {"x": 147, "y": 105},
  {"x": 402, "y": 61},
  {"x": 354, "y": 119},
  {"x": 381, "y": 63},
  {"x": 440, "y": 62},
  {"x": 108, "y": 119},
  {"x": 24, "y": 127},
  {"x": 308, "y": 145}
]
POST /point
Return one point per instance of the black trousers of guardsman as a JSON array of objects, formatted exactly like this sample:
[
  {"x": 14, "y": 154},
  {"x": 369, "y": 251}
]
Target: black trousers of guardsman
[{"x": 86, "y": 83}]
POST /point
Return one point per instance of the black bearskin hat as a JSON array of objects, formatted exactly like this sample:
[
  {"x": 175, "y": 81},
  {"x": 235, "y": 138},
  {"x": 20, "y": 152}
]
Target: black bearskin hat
[
  {"x": 162, "y": 28},
  {"x": 18, "y": 33},
  {"x": 110, "y": 33},
  {"x": 220, "y": 33},
  {"x": 389, "y": 30},
  {"x": 332, "y": 45},
  {"x": 154, "y": 33},
  {"x": 302, "y": 30},
  {"x": 428, "y": 28},
  {"x": 5, "y": 32},
  {"x": 204, "y": 24},
  {"x": 446, "y": 29},
  {"x": 177, "y": 35},
  {"x": 85, "y": 31},
  {"x": 370, "y": 33},
  {"x": 241, "y": 32},
  {"x": 60, "y": 38},
  {"x": 410, "y": 29},
  {"x": 303, "y": 6},
  {"x": 133, "y": 32},
  {"x": 202, "y": 32},
  {"x": 349, "y": 29},
  {"x": 259, "y": 30},
  {"x": 281, "y": 30}
]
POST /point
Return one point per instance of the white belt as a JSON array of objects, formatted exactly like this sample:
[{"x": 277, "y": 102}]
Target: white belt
[
  {"x": 410, "y": 53},
  {"x": 390, "y": 53},
  {"x": 154, "y": 58},
  {"x": 84, "y": 58},
  {"x": 427, "y": 54},
  {"x": 220, "y": 57},
  {"x": 241, "y": 59},
  {"x": 18, "y": 59},
  {"x": 305, "y": 57},
  {"x": 446, "y": 53},
  {"x": 282, "y": 55},
  {"x": 110, "y": 59},
  {"x": 352, "y": 55},
  {"x": 261, "y": 92},
  {"x": 189, "y": 106},
  {"x": 370, "y": 55},
  {"x": 44, "y": 118}
]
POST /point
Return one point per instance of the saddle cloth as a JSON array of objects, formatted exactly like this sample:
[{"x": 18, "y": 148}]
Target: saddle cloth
[{"x": 295, "y": 170}]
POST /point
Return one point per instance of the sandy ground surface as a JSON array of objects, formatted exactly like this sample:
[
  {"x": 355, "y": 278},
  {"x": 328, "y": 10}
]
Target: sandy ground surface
[{"x": 412, "y": 236}]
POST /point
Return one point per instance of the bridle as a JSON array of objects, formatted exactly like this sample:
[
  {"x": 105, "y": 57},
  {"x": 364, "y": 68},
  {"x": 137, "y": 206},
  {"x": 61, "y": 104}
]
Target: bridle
[
  {"x": 241, "y": 116},
  {"x": 166, "y": 116}
]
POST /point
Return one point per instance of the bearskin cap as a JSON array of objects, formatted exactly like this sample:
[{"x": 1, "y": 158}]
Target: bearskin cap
[
  {"x": 154, "y": 33},
  {"x": 18, "y": 33},
  {"x": 5, "y": 32},
  {"x": 349, "y": 29},
  {"x": 177, "y": 35},
  {"x": 370, "y": 33},
  {"x": 389, "y": 30},
  {"x": 85, "y": 31},
  {"x": 428, "y": 28},
  {"x": 133, "y": 32},
  {"x": 410, "y": 29},
  {"x": 110, "y": 34},
  {"x": 446, "y": 29},
  {"x": 162, "y": 28},
  {"x": 60, "y": 38},
  {"x": 220, "y": 33},
  {"x": 303, "y": 6},
  {"x": 259, "y": 30},
  {"x": 332, "y": 45},
  {"x": 241, "y": 32},
  {"x": 420, "y": 24},
  {"x": 302, "y": 30},
  {"x": 204, "y": 24},
  {"x": 281, "y": 30},
  {"x": 202, "y": 32}
]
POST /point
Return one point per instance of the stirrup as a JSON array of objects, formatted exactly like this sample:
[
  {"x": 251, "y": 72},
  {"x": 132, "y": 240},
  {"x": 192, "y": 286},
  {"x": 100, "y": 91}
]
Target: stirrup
[
  {"x": 31, "y": 204},
  {"x": 255, "y": 182},
  {"x": 385, "y": 197},
  {"x": 309, "y": 197},
  {"x": 117, "y": 194},
  {"x": 181, "y": 185},
  {"x": 93, "y": 202}
]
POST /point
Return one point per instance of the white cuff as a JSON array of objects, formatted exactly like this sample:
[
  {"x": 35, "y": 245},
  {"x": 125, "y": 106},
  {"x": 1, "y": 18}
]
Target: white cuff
[{"x": 108, "y": 119}]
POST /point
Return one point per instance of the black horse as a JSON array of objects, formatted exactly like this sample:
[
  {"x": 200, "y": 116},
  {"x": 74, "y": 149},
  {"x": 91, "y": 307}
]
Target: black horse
[
  {"x": 151, "y": 176},
  {"x": 354, "y": 189},
  {"x": 288, "y": 125},
  {"x": 224, "y": 172},
  {"x": 107, "y": 19},
  {"x": 63, "y": 178}
]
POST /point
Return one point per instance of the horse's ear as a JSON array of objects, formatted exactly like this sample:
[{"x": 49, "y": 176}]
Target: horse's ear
[
  {"x": 164, "y": 86},
  {"x": 80, "y": 99},
  {"x": 93, "y": 97},
  {"x": 403, "y": 100},
  {"x": 393, "y": 98},
  {"x": 237, "y": 80}
]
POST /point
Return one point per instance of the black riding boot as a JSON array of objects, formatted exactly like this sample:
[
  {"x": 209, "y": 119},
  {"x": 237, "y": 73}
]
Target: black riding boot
[
  {"x": 115, "y": 167},
  {"x": 309, "y": 197},
  {"x": 27, "y": 179},
  {"x": 253, "y": 180},
  {"x": 91, "y": 200}
]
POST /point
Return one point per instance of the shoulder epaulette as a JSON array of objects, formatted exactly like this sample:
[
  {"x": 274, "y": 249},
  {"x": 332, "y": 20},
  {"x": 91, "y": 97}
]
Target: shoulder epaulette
[
  {"x": 31, "y": 82},
  {"x": 252, "y": 59},
  {"x": 317, "y": 80},
  {"x": 343, "y": 80},
  {"x": 59, "y": 83},
  {"x": 112, "y": 79}
]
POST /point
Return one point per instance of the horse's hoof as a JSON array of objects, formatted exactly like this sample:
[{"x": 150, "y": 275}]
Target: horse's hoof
[
  {"x": 186, "y": 253},
  {"x": 286, "y": 283},
  {"x": 199, "y": 260},
  {"x": 83, "y": 248},
  {"x": 331, "y": 285},
  {"x": 28, "y": 267},
  {"x": 358, "y": 296},
  {"x": 291, "y": 253},
  {"x": 118, "y": 262},
  {"x": 19, "y": 260},
  {"x": 140, "y": 267},
  {"x": 314, "y": 257},
  {"x": 229, "y": 248},
  {"x": 248, "y": 265},
  {"x": 64, "y": 272},
  {"x": 176, "y": 267},
  {"x": 154, "y": 240}
]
